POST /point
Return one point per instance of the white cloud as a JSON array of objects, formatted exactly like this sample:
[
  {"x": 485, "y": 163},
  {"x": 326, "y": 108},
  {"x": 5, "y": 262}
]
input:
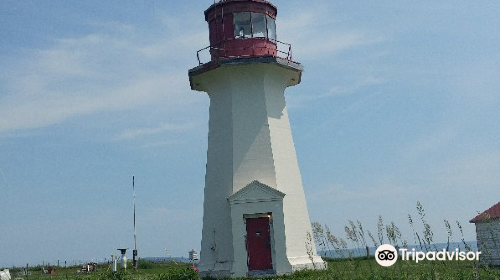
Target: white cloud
[
  {"x": 389, "y": 187},
  {"x": 479, "y": 173},
  {"x": 47, "y": 107},
  {"x": 154, "y": 145},
  {"x": 94, "y": 73},
  {"x": 351, "y": 88},
  {"x": 295, "y": 101},
  {"x": 429, "y": 143},
  {"x": 148, "y": 131},
  {"x": 315, "y": 34}
]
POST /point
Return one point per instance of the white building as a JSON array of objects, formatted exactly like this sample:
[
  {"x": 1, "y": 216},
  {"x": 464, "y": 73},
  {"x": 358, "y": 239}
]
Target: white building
[
  {"x": 255, "y": 218},
  {"x": 193, "y": 255},
  {"x": 488, "y": 235}
]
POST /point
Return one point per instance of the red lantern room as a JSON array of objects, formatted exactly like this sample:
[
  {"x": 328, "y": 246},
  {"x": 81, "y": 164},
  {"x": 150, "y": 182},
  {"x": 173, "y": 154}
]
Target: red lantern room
[{"x": 243, "y": 28}]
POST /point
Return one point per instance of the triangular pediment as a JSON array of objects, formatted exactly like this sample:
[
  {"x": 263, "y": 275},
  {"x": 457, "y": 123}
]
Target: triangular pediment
[{"x": 256, "y": 192}]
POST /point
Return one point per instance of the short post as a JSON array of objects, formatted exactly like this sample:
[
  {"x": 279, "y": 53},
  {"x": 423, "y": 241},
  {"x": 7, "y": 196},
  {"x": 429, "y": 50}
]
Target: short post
[
  {"x": 113, "y": 263},
  {"x": 134, "y": 259},
  {"x": 124, "y": 258}
]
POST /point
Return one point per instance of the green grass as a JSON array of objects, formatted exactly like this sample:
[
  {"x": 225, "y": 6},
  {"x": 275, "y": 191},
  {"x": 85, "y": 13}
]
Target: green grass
[
  {"x": 362, "y": 268},
  {"x": 348, "y": 269},
  {"x": 149, "y": 270}
]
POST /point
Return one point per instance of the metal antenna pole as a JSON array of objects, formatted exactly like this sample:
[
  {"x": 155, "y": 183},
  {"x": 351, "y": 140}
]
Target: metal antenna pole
[
  {"x": 134, "y": 252},
  {"x": 135, "y": 233}
]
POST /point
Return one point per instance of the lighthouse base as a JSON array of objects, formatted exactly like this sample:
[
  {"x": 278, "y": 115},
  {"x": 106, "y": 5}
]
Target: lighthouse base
[
  {"x": 222, "y": 271},
  {"x": 259, "y": 238},
  {"x": 307, "y": 262},
  {"x": 218, "y": 271}
]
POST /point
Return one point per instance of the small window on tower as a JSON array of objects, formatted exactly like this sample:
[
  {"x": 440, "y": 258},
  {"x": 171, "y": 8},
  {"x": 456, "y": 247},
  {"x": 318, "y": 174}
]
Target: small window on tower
[
  {"x": 242, "y": 25},
  {"x": 259, "y": 25}
]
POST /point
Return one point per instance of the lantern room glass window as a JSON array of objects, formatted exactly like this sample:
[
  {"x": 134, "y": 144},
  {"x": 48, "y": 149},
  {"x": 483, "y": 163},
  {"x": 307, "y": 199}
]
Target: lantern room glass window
[
  {"x": 254, "y": 25},
  {"x": 271, "y": 28},
  {"x": 259, "y": 25},
  {"x": 242, "y": 25}
]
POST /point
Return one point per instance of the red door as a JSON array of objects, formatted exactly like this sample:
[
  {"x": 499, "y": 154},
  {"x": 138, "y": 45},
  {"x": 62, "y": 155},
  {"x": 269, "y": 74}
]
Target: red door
[{"x": 258, "y": 244}]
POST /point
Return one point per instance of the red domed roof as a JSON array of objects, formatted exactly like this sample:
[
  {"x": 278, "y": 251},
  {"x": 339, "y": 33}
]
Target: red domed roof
[{"x": 231, "y": 6}]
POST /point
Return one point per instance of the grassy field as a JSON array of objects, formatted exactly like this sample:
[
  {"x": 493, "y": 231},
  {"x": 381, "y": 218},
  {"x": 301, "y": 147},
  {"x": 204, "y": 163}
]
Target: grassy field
[{"x": 349, "y": 269}]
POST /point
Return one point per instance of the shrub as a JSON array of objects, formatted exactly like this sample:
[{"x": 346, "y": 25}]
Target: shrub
[
  {"x": 109, "y": 275},
  {"x": 181, "y": 273},
  {"x": 145, "y": 264}
]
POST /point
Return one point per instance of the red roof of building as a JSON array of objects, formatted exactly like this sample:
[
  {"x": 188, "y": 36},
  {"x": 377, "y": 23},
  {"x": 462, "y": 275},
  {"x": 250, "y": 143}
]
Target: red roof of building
[{"x": 493, "y": 212}]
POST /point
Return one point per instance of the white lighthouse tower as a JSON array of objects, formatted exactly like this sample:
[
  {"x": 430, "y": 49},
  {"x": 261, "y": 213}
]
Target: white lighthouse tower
[{"x": 255, "y": 214}]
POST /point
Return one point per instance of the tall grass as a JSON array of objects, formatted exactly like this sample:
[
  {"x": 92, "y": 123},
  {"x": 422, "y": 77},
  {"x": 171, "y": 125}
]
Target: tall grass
[{"x": 389, "y": 233}]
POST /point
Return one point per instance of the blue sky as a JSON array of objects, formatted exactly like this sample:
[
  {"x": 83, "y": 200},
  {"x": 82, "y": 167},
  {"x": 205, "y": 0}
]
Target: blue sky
[{"x": 398, "y": 104}]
